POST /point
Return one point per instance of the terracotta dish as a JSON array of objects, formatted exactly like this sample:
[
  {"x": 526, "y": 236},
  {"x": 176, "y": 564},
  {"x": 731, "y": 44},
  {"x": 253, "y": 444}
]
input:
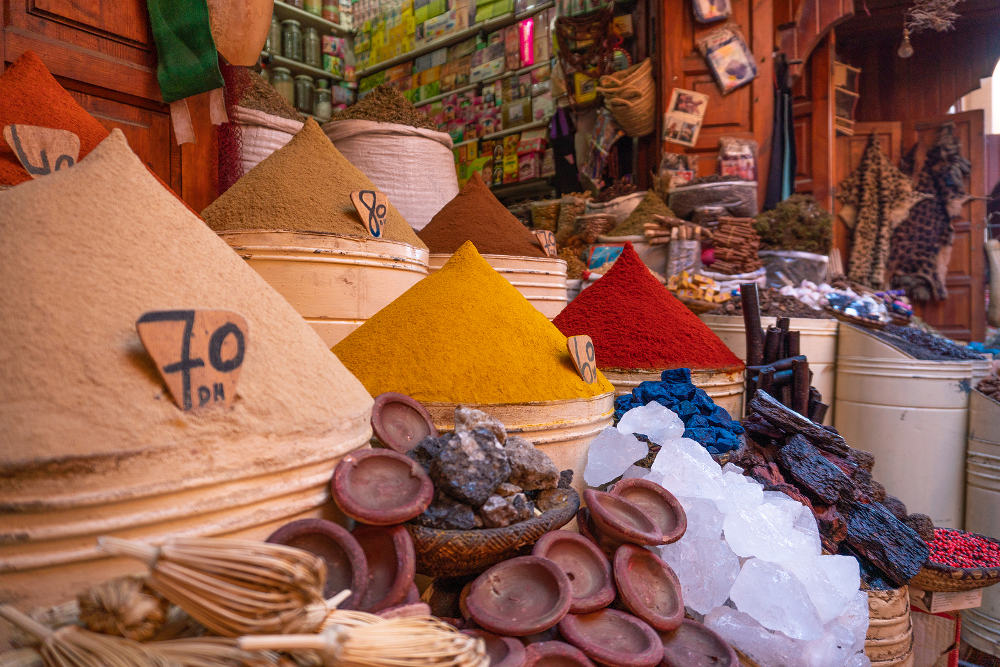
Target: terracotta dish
[
  {"x": 590, "y": 531},
  {"x": 694, "y": 645},
  {"x": 648, "y": 587},
  {"x": 346, "y": 566},
  {"x": 400, "y": 422},
  {"x": 555, "y": 654},
  {"x": 502, "y": 651},
  {"x": 612, "y": 637},
  {"x": 392, "y": 564},
  {"x": 620, "y": 519},
  {"x": 587, "y": 569},
  {"x": 520, "y": 596},
  {"x": 381, "y": 487},
  {"x": 659, "y": 505}
]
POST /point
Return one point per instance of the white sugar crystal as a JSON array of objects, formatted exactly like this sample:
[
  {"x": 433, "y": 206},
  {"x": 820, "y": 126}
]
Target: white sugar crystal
[
  {"x": 831, "y": 581},
  {"x": 832, "y": 648},
  {"x": 776, "y": 599},
  {"x": 687, "y": 469},
  {"x": 656, "y": 422},
  {"x": 739, "y": 492},
  {"x": 610, "y": 454},
  {"x": 637, "y": 472},
  {"x": 854, "y": 619},
  {"x": 704, "y": 520},
  {"x": 858, "y": 660},
  {"x": 766, "y": 531},
  {"x": 753, "y": 640},
  {"x": 706, "y": 569}
]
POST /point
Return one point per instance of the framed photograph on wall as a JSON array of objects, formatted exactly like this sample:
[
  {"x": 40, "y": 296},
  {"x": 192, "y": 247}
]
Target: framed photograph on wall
[
  {"x": 682, "y": 121},
  {"x": 709, "y": 11}
]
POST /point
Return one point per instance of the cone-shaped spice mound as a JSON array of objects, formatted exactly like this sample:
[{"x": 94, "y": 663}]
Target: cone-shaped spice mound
[
  {"x": 30, "y": 95},
  {"x": 476, "y": 215},
  {"x": 651, "y": 204},
  {"x": 87, "y": 251},
  {"x": 637, "y": 324},
  {"x": 465, "y": 335},
  {"x": 304, "y": 186}
]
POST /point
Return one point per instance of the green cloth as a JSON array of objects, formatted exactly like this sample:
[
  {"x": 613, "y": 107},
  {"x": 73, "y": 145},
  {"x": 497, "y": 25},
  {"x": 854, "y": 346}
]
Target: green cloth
[{"x": 188, "y": 62}]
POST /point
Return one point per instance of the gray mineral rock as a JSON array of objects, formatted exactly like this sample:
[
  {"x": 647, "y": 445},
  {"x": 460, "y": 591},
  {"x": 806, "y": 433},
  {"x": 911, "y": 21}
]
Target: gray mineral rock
[
  {"x": 530, "y": 467},
  {"x": 468, "y": 419},
  {"x": 498, "y": 511},
  {"x": 448, "y": 514},
  {"x": 470, "y": 466}
]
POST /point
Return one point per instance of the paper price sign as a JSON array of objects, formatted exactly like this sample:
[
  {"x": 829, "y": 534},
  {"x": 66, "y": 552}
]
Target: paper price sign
[
  {"x": 198, "y": 353},
  {"x": 42, "y": 150},
  {"x": 372, "y": 206},
  {"x": 548, "y": 241},
  {"x": 581, "y": 351}
]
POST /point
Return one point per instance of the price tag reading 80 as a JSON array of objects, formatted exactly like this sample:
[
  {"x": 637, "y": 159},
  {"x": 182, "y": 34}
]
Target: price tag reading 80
[
  {"x": 373, "y": 207},
  {"x": 581, "y": 351}
]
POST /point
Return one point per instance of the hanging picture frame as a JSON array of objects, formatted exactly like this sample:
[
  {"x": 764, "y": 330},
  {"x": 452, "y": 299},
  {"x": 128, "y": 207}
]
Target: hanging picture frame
[
  {"x": 682, "y": 121},
  {"x": 728, "y": 57},
  {"x": 710, "y": 11}
]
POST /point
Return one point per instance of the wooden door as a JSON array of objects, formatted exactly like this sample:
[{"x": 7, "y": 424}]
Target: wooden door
[
  {"x": 102, "y": 51},
  {"x": 963, "y": 314}
]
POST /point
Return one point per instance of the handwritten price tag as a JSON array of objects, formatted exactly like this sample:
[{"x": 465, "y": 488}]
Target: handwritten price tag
[
  {"x": 581, "y": 351},
  {"x": 548, "y": 241},
  {"x": 42, "y": 150},
  {"x": 372, "y": 207},
  {"x": 198, "y": 353}
]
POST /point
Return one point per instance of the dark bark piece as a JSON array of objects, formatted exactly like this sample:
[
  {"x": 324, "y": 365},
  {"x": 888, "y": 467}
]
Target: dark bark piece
[
  {"x": 812, "y": 473},
  {"x": 749, "y": 299},
  {"x": 772, "y": 345},
  {"x": 896, "y": 507},
  {"x": 922, "y": 524},
  {"x": 791, "y": 422},
  {"x": 887, "y": 543},
  {"x": 832, "y": 526}
]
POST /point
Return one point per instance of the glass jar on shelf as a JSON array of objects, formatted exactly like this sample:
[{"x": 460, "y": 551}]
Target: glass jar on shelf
[
  {"x": 273, "y": 44},
  {"x": 313, "y": 7},
  {"x": 323, "y": 107},
  {"x": 304, "y": 93},
  {"x": 311, "y": 48},
  {"x": 294, "y": 3},
  {"x": 291, "y": 39},
  {"x": 281, "y": 80}
]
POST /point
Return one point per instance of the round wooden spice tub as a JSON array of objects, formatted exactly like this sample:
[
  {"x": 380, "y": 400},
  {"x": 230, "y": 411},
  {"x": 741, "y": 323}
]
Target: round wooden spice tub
[
  {"x": 335, "y": 282},
  {"x": 889, "y": 640},
  {"x": 542, "y": 280},
  {"x": 725, "y": 387},
  {"x": 562, "y": 429}
]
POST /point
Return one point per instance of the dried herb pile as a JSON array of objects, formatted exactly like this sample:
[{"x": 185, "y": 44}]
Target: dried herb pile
[
  {"x": 798, "y": 223},
  {"x": 385, "y": 104}
]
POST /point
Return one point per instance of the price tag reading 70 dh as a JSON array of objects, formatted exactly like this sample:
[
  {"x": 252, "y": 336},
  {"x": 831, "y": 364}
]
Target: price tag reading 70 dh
[
  {"x": 581, "y": 351},
  {"x": 198, "y": 353},
  {"x": 372, "y": 206}
]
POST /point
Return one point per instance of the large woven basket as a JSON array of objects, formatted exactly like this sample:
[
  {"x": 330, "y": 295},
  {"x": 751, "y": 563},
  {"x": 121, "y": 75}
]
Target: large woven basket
[
  {"x": 942, "y": 578},
  {"x": 630, "y": 96},
  {"x": 454, "y": 553}
]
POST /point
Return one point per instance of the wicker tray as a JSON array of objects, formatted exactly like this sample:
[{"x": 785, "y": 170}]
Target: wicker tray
[
  {"x": 851, "y": 319},
  {"x": 941, "y": 578},
  {"x": 453, "y": 553},
  {"x": 697, "y": 306}
]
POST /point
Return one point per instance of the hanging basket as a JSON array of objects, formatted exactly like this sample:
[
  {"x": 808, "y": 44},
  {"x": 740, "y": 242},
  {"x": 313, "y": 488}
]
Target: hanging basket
[{"x": 630, "y": 96}]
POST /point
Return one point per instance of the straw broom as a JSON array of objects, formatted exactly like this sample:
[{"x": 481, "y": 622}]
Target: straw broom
[
  {"x": 234, "y": 587},
  {"x": 358, "y": 639}
]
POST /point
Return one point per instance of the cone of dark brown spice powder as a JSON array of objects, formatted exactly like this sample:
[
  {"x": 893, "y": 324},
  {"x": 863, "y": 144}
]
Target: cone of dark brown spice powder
[
  {"x": 476, "y": 215},
  {"x": 385, "y": 104}
]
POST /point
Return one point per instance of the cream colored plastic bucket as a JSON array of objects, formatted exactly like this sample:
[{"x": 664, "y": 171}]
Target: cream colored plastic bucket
[
  {"x": 541, "y": 280},
  {"x": 336, "y": 283},
  {"x": 818, "y": 341},
  {"x": 561, "y": 429},
  {"x": 912, "y": 416},
  {"x": 726, "y": 388},
  {"x": 981, "y": 627},
  {"x": 889, "y": 639}
]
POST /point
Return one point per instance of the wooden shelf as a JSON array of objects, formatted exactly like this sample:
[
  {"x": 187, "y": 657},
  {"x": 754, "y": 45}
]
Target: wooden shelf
[
  {"x": 517, "y": 128},
  {"x": 455, "y": 38},
  {"x": 457, "y": 91},
  {"x": 283, "y": 10},
  {"x": 517, "y": 72},
  {"x": 300, "y": 68}
]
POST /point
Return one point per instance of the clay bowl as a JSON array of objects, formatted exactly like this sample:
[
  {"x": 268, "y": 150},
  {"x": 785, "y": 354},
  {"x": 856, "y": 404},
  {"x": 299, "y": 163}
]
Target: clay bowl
[
  {"x": 346, "y": 566},
  {"x": 400, "y": 422},
  {"x": 391, "y": 562},
  {"x": 381, "y": 487},
  {"x": 620, "y": 519},
  {"x": 520, "y": 596},
  {"x": 612, "y": 637},
  {"x": 412, "y": 593},
  {"x": 694, "y": 645},
  {"x": 502, "y": 651},
  {"x": 659, "y": 505},
  {"x": 555, "y": 654},
  {"x": 587, "y": 569},
  {"x": 648, "y": 587},
  {"x": 406, "y": 610},
  {"x": 590, "y": 531},
  {"x": 456, "y": 553}
]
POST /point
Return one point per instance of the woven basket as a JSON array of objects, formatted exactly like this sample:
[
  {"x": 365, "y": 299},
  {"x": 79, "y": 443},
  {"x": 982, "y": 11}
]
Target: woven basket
[
  {"x": 941, "y": 578},
  {"x": 589, "y": 227},
  {"x": 630, "y": 96},
  {"x": 454, "y": 553},
  {"x": 851, "y": 319}
]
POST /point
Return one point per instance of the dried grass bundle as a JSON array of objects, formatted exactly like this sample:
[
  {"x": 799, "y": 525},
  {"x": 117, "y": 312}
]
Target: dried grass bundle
[
  {"x": 358, "y": 639},
  {"x": 937, "y": 15},
  {"x": 125, "y": 607},
  {"x": 234, "y": 587}
]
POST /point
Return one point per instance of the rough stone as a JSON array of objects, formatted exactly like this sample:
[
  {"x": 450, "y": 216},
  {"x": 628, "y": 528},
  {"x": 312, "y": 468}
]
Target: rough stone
[
  {"x": 468, "y": 419},
  {"x": 448, "y": 514},
  {"x": 922, "y": 524},
  {"x": 550, "y": 498},
  {"x": 470, "y": 466},
  {"x": 565, "y": 479},
  {"x": 530, "y": 467},
  {"x": 507, "y": 489},
  {"x": 427, "y": 450},
  {"x": 498, "y": 511}
]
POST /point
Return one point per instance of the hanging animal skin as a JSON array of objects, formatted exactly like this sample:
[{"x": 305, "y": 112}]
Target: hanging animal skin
[{"x": 239, "y": 28}]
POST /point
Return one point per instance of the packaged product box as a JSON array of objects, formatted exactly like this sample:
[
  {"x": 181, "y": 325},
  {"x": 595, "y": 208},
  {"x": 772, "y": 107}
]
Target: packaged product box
[
  {"x": 486, "y": 70},
  {"x": 428, "y": 90},
  {"x": 511, "y": 47},
  {"x": 420, "y": 10},
  {"x": 439, "y": 57},
  {"x": 543, "y": 48},
  {"x": 370, "y": 81},
  {"x": 542, "y": 106},
  {"x": 462, "y": 49},
  {"x": 548, "y": 163},
  {"x": 531, "y": 142},
  {"x": 334, "y": 65},
  {"x": 430, "y": 75},
  {"x": 484, "y": 10},
  {"x": 517, "y": 113},
  {"x": 439, "y": 26},
  {"x": 422, "y": 62},
  {"x": 623, "y": 25},
  {"x": 529, "y": 165}
]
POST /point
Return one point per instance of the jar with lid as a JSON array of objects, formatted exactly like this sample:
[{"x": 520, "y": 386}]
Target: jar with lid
[
  {"x": 274, "y": 37},
  {"x": 304, "y": 93},
  {"x": 281, "y": 80},
  {"x": 294, "y": 3},
  {"x": 311, "y": 48},
  {"x": 323, "y": 108},
  {"x": 331, "y": 11},
  {"x": 313, "y": 6},
  {"x": 291, "y": 39}
]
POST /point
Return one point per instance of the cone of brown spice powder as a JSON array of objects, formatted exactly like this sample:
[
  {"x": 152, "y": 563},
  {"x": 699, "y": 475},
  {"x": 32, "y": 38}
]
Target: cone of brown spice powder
[
  {"x": 478, "y": 216},
  {"x": 304, "y": 186}
]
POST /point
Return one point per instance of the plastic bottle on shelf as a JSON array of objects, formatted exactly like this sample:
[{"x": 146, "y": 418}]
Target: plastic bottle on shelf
[
  {"x": 311, "y": 48},
  {"x": 291, "y": 39}
]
